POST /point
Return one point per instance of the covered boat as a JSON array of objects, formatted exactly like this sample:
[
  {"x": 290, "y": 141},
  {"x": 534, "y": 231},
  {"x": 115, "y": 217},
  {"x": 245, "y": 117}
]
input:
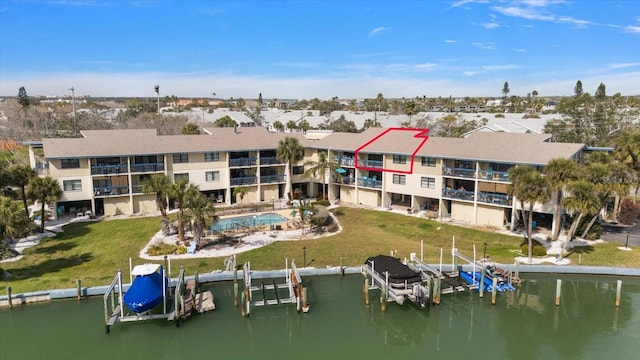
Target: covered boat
[
  {"x": 400, "y": 275},
  {"x": 147, "y": 289}
]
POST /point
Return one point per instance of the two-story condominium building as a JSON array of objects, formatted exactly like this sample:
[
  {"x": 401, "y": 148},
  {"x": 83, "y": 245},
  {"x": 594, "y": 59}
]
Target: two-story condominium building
[{"x": 462, "y": 178}]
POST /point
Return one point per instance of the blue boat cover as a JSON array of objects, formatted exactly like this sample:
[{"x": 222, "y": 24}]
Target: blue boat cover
[{"x": 145, "y": 293}]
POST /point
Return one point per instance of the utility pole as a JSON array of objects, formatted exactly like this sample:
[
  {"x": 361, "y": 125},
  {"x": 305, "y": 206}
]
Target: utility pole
[
  {"x": 157, "y": 90},
  {"x": 73, "y": 104}
]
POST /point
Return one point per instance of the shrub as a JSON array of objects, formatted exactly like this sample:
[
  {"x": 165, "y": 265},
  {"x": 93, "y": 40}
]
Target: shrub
[
  {"x": 164, "y": 249},
  {"x": 321, "y": 216},
  {"x": 338, "y": 212},
  {"x": 538, "y": 250},
  {"x": 321, "y": 203},
  {"x": 595, "y": 231},
  {"x": 629, "y": 212}
]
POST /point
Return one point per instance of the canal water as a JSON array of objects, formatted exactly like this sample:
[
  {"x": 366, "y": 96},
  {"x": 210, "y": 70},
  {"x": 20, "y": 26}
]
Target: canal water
[{"x": 524, "y": 324}]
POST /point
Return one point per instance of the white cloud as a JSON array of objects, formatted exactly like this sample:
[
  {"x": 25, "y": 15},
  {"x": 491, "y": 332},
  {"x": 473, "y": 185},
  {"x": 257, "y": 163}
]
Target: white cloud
[
  {"x": 377, "y": 30},
  {"x": 525, "y": 13},
  {"x": 449, "y": 41},
  {"x": 470, "y": 73},
  {"x": 632, "y": 29},
  {"x": 623, "y": 65},
  {"x": 426, "y": 66},
  {"x": 490, "y": 25},
  {"x": 520, "y": 50},
  {"x": 300, "y": 64}
]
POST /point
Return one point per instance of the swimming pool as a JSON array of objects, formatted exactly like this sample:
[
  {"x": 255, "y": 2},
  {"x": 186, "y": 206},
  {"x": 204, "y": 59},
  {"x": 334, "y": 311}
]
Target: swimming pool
[{"x": 247, "y": 221}]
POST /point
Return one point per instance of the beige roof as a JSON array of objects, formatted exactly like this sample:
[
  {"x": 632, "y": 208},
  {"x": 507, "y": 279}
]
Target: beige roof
[
  {"x": 146, "y": 141},
  {"x": 482, "y": 146}
]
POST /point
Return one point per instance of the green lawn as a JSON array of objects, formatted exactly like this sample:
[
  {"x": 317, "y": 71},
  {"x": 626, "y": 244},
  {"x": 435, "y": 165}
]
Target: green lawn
[{"x": 93, "y": 251}]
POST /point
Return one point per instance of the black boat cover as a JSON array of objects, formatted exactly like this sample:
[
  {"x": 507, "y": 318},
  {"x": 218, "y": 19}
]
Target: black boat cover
[{"x": 398, "y": 272}]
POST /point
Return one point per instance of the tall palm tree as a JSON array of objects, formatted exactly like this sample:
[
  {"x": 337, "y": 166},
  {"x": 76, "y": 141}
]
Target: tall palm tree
[
  {"x": 599, "y": 174},
  {"x": 19, "y": 176},
  {"x": 582, "y": 200},
  {"x": 180, "y": 192},
  {"x": 321, "y": 167},
  {"x": 289, "y": 152},
  {"x": 44, "y": 189},
  {"x": 517, "y": 176},
  {"x": 559, "y": 172},
  {"x": 200, "y": 209},
  {"x": 620, "y": 182},
  {"x": 160, "y": 185},
  {"x": 532, "y": 188}
]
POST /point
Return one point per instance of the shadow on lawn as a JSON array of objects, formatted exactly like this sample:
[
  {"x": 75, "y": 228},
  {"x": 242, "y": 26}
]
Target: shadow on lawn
[
  {"x": 48, "y": 266},
  {"x": 50, "y": 248}
]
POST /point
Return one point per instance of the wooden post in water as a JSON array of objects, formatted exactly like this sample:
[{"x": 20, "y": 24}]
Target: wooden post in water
[
  {"x": 517, "y": 266},
  {"x": 235, "y": 286},
  {"x": 79, "y": 287},
  {"x": 494, "y": 291},
  {"x": 558, "y": 290},
  {"x": 9, "y": 297},
  {"x": 481, "y": 283},
  {"x": 341, "y": 268},
  {"x": 618, "y": 291},
  {"x": 305, "y": 300},
  {"x": 436, "y": 290},
  {"x": 365, "y": 290}
]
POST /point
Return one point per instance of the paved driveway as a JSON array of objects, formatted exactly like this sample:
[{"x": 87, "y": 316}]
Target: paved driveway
[{"x": 618, "y": 234}]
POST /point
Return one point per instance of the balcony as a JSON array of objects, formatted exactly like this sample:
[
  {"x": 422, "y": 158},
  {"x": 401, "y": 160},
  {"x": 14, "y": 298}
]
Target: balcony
[
  {"x": 496, "y": 199},
  {"x": 245, "y": 180},
  {"x": 344, "y": 161},
  {"x": 147, "y": 167},
  {"x": 270, "y": 161},
  {"x": 271, "y": 179},
  {"x": 136, "y": 189},
  {"x": 108, "y": 169},
  {"x": 491, "y": 175},
  {"x": 460, "y": 172},
  {"x": 243, "y": 162},
  {"x": 370, "y": 183},
  {"x": 457, "y": 194},
  {"x": 105, "y": 191},
  {"x": 346, "y": 180},
  {"x": 370, "y": 163}
]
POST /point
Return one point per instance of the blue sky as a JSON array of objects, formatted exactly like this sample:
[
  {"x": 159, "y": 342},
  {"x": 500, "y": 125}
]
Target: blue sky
[{"x": 306, "y": 49}]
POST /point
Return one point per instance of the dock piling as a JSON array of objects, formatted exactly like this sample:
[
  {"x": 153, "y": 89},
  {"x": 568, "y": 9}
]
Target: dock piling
[
  {"x": 79, "y": 287},
  {"x": 618, "y": 291},
  {"x": 494, "y": 291},
  {"x": 365, "y": 290},
  {"x": 436, "y": 290},
  {"x": 558, "y": 290},
  {"x": 481, "y": 284},
  {"x": 9, "y": 297}
]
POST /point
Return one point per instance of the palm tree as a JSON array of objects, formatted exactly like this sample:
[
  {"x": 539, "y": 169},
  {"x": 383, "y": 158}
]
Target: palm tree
[
  {"x": 532, "y": 188},
  {"x": 582, "y": 200},
  {"x": 291, "y": 125},
  {"x": 180, "y": 192},
  {"x": 599, "y": 174},
  {"x": 517, "y": 175},
  {"x": 620, "y": 182},
  {"x": 290, "y": 152},
  {"x": 44, "y": 189},
  {"x": 13, "y": 221},
  {"x": 240, "y": 191},
  {"x": 19, "y": 176},
  {"x": 278, "y": 125},
  {"x": 200, "y": 209},
  {"x": 159, "y": 184},
  {"x": 559, "y": 172},
  {"x": 321, "y": 167}
]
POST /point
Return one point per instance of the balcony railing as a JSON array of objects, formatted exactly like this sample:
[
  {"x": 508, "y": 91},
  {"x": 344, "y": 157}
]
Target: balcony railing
[
  {"x": 104, "y": 191},
  {"x": 459, "y": 172},
  {"x": 270, "y": 161},
  {"x": 491, "y": 198},
  {"x": 370, "y": 183},
  {"x": 370, "y": 163},
  {"x": 108, "y": 169},
  {"x": 494, "y": 175},
  {"x": 457, "y": 194},
  {"x": 271, "y": 179},
  {"x": 346, "y": 180},
  {"x": 243, "y": 162},
  {"x": 136, "y": 189},
  {"x": 344, "y": 161},
  {"x": 245, "y": 180},
  {"x": 147, "y": 167}
]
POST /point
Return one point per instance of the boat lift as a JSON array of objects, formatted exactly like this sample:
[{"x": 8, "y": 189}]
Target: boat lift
[
  {"x": 297, "y": 293},
  {"x": 184, "y": 301},
  {"x": 418, "y": 293}
]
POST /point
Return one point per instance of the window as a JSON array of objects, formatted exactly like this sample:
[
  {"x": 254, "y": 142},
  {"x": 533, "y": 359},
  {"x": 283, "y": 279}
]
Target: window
[
  {"x": 177, "y": 177},
  {"x": 399, "y": 179},
  {"x": 429, "y": 161},
  {"x": 212, "y": 176},
  {"x": 428, "y": 182},
  {"x": 72, "y": 185},
  {"x": 399, "y": 159},
  {"x": 298, "y": 170},
  {"x": 180, "y": 158},
  {"x": 211, "y": 156},
  {"x": 70, "y": 163}
]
